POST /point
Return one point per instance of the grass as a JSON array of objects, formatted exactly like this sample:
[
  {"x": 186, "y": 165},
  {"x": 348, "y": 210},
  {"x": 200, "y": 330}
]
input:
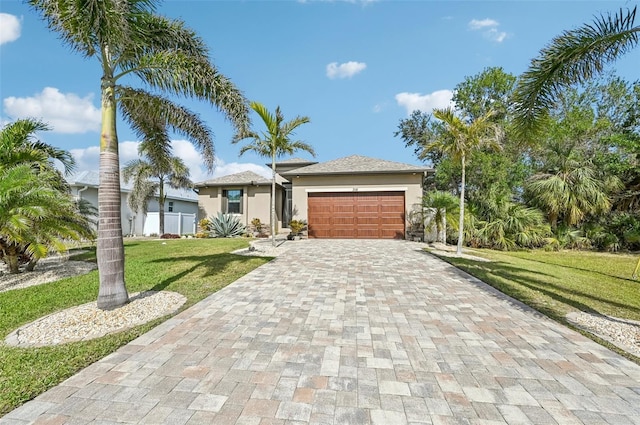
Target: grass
[
  {"x": 194, "y": 268},
  {"x": 556, "y": 283}
]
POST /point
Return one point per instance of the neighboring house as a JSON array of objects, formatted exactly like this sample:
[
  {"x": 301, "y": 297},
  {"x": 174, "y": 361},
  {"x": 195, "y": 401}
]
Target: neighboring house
[
  {"x": 181, "y": 207},
  {"x": 351, "y": 197}
]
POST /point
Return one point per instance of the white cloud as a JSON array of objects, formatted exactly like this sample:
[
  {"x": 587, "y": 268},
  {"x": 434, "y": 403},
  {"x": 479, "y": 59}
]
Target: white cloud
[
  {"x": 478, "y": 24},
  {"x": 10, "y": 27},
  {"x": 89, "y": 159},
  {"x": 65, "y": 113},
  {"x": 495, "y": 35},
  {"x": 344, "y": 70},
  {"x": 224, "y": 169},
  {"x": 489, "y": 28},
  {"x": 426, "y": 102}
]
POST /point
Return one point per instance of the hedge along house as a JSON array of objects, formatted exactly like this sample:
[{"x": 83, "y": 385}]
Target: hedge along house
[{"x": 355, "y": 197}]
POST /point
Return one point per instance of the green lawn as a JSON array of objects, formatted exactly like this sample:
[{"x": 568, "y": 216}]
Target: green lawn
[
  {"x": 556, "y": 283},
  {"x": 195, "y": 268}
]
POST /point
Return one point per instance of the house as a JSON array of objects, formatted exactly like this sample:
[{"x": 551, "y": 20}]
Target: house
[
  {"x": 181, "y": 207},
  {"x": 351, "y": 197}
]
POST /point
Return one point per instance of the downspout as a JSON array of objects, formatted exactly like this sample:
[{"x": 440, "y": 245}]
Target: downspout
[{"x": 79, "y": 195}]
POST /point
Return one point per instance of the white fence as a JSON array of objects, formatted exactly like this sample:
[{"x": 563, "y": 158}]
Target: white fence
[{"x": 178, "y": 223}]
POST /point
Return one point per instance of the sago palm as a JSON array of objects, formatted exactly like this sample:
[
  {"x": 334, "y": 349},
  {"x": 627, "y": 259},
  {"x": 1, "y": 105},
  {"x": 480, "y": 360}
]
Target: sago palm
[
  {"x": 459, "y": 140},
  {"x": 130, "y": 40},
  {"x": 274, "y": 143},
  {"x": 35, "y": 215},
  {"x": 574, "y": 56}
]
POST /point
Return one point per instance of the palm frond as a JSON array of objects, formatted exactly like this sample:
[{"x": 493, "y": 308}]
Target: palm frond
[{"x": 575, "y": 56}]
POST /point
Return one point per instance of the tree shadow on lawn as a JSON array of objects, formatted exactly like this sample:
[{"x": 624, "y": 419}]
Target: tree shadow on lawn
[
  {"x": 505, "y": 271},
  {"x": 211, "y": 264},
  {"x": 628, "y": 279}
]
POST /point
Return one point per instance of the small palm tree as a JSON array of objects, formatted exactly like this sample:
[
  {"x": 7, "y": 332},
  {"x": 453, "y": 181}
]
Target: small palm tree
[
  {"x": 129, "y": 39},
  {"x": 150, "y": 177},
  {"x": 37, "y": 211},
  {"x": 274, "y": 143},
  {"x": 446, "y": 206},
  {"x": 571, "y": 189},
  {"x": 19, "y": 145},
  {"x": 459, "y": 140},
  {"x": 574, "y": 56}
]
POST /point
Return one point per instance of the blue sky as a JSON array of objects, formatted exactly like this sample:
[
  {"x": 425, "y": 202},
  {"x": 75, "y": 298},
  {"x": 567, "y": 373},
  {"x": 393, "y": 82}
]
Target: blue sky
[{"x": 356, "y": 68}]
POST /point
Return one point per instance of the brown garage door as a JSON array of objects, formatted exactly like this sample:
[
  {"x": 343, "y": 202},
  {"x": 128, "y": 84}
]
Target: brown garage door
[{"x": 356, "y": 215}]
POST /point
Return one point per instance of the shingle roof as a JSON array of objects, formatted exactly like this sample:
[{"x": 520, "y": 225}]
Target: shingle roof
[
  {"x": 293, "y": 161},
  {"x": 92, "y": 179},
  {"x": 357, "y": 164},
  {"x": 243, "y": 178}
]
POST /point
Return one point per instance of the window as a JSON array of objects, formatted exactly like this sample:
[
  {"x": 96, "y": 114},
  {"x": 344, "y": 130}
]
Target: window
[
  {"x": 170, "y": 206},
  {"x": 232, "y": 201}
]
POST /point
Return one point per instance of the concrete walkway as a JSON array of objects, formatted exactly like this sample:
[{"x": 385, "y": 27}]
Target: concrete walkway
[{"x": 351, "y": 332}]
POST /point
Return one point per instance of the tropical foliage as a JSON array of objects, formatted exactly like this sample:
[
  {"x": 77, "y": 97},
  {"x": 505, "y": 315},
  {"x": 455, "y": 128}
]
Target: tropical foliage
[
  {"x": 575, "y": 185},
  {"x": 38, "y": 215},
  {"x": 150, "y": 178},
  {"x": 274, "y": 143},
  {"x": 131, "y": 42},
  {"x": 226, "y": 226}
]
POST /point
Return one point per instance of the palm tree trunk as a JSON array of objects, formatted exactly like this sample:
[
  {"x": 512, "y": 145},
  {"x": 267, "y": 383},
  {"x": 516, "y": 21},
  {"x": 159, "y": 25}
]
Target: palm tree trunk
[
  {"x": 161, "y": 206},
  {"x": 461, "y": 222},
  {"x": 112, "y": 292},
  {"x": 273, "y": 198},
  {"x": 11, "y": 255}
]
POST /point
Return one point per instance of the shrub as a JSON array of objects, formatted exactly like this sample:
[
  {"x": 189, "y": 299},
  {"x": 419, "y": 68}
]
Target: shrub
[
  {"x": 205, "y": 225},
  {"x": 169, "y": 236},
  {"x": 296, "y": 226},
  {"x": 201, "y": 235},
  {"x": 257, "y": 224},
  {"x": 226, "y": 226}
]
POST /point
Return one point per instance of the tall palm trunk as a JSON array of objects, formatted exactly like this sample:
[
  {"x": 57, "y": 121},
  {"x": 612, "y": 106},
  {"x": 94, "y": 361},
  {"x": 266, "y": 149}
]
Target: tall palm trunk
[
  {"x": 461, "y": 222},
  {"x": 112, "y": 292},
  {"x": 273, "y": 198},
  {"x": 161, "y": 206}
]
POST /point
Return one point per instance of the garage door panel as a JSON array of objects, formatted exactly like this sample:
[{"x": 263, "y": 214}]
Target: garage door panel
[{"x": 363, "y": 215}]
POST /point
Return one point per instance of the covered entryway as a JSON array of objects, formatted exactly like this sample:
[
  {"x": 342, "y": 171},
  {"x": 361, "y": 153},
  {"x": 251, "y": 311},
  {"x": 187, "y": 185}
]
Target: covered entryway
[{"x": 356, "y": 215}]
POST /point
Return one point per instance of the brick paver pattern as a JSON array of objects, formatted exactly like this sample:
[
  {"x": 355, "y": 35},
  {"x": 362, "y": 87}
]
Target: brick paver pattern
[{"x": 351, "y": 332}]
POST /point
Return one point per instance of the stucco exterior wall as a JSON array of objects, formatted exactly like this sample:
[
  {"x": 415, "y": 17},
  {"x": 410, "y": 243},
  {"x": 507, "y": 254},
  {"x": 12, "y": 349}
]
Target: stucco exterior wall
[
  {"x": 410, "y": 184},
  {"x": 256, "y": 203}
]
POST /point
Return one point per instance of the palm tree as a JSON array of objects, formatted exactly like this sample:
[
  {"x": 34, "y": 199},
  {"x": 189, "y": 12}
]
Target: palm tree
[
  {"x": 445, "y": 205},
  {"x": 128, "y": 39},
  {"x": 459, "y": 140},
  {"x": 274, "y": 143},
  {"x": 150, "y": 177},
  {"x": 572, "y": 57},
  {"x": 570, "y": 189},
  {"x": 19, "y": 145}
]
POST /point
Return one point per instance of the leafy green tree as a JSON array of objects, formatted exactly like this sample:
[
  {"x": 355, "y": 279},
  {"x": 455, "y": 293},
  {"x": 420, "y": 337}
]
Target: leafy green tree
[
  {"x": 130, "y": 40},
  {"x": 574, "y": 56},
  {"x": 150, "y": 177},
  {"x": 274, "y": 143},
  {"x": 490, "y": 90},
  {"x": 459, "y": 140}
]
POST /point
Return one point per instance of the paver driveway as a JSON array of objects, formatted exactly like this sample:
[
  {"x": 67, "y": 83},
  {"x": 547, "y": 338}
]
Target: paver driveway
[{"x": 351, "y": 332}]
